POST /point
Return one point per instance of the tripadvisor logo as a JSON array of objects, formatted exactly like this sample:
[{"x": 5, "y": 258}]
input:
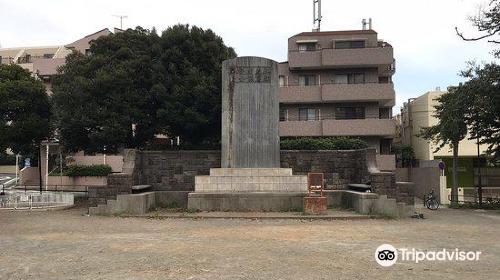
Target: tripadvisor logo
[{"x": 387, "y": 255}]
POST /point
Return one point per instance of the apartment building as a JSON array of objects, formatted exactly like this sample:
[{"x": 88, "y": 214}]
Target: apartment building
[
  {"x": 43, "y": 62},
  {"x": 338, "y": 83},
  {"x": 419, "y": 112}
]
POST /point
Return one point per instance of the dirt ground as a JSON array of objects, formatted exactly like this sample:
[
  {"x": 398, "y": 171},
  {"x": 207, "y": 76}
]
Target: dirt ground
[{"x": 66, "y": 245}]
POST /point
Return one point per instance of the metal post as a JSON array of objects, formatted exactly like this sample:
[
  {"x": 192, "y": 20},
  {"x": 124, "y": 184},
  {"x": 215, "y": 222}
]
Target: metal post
[
  {"x": 46, "y": 166},
  {"x": 17, "y": 166},
  {"x": 39, "y": 168},
  {"x": 480, "y": 187},
  {"x": 60, "y": 164}
]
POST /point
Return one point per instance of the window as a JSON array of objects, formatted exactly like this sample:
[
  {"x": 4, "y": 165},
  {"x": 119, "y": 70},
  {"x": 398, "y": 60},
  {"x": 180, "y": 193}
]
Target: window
[
  {"x": 308, "y": 114},
  {"x": 88, "y": 52},
  {"x": 307, "y": 47},
  {"x": 346, "y": 113},
  {"x": 349, "y": 79},
  {"x": 281, "y": 81},
  {"x": 48, "y": 55},
  {"x": 384, "y": 80},
  {"x": 1, "y": 60},
  {"x": 349, "y": 44},
  {"x": 283, "y": 115},
  {"x": 384, "y": 113},
  {"x": 307, "y": 80}
]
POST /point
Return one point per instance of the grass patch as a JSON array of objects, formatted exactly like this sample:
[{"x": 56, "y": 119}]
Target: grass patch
[
  {"x": 381, "y": 214},
  {"x": 192, "y": 210},
  {"x": 122, "y": 214}
]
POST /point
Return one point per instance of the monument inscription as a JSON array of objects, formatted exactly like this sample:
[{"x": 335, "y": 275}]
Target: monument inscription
[{"x": 248, "y": 74}]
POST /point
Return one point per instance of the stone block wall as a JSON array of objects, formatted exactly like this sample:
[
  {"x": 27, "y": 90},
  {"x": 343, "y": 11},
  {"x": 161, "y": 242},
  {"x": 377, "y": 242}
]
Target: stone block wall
[
  {"x": 118, "y": 183},
  {"x": 340, "y": 167},
  {"x": 175, "y": 170}
]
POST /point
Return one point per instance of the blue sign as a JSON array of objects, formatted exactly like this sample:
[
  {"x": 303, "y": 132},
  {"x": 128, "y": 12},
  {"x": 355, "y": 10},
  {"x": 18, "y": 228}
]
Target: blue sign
[{"x": 442, "y": 165}]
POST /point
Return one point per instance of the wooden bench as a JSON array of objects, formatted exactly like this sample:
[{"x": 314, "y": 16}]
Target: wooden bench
[{"x": 140, "y": 188}]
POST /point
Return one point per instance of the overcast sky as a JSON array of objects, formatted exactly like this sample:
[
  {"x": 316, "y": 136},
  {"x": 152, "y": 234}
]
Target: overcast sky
[{"x": 427, "y": 51}]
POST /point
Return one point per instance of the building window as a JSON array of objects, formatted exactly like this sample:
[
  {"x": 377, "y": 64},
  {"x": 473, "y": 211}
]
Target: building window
[
  {"x": 347, "y": 113},
  {"x": 349, "y": 44},
  {"x": 48, "y": 55},
  {"x": 308, "y": 114},
  {"x": 349, "y": 79},
  {"x": 88, "y": 52},
  {"x": 307, "y": 47},
  {"x": 384, "y": 80},
  {"x": 281, "y": 81},
  {"x": 283, "y": 115},
  {"x": 307, "y": 80}
]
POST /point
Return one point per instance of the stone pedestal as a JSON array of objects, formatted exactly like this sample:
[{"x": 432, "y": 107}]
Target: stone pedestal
[
  {"x": 315, "y": 205},
  {"x": 251, "y": 180}
]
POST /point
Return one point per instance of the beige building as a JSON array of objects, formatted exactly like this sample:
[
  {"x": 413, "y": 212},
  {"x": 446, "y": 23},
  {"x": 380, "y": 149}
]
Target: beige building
[
  {"x": 43, "y": 62},
  {"x": 338, "y": 83},
  {"x": 419, "y": 112}
]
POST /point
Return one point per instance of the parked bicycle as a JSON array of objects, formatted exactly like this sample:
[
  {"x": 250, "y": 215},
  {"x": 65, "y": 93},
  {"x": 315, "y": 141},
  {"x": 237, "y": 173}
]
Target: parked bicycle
[{"x": 431, "y": 202}]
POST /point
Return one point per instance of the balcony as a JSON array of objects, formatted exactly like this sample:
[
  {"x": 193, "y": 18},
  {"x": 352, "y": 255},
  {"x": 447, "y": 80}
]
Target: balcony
[
  {"x": 338, "y": 58},
  {"x": 333, "y": 127},
  {"x": 368, "y": 92}
]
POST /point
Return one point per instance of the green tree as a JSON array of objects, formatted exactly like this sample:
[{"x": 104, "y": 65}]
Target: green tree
[
  {"x": 137, "y": 84},
  {"x": 483, "y": 100},
  {"x": 404, "y": 155},
  {"x": 451, "y": 128},
  {"x": 192, "y": 61},
  {"x": 24, "y": 111}
]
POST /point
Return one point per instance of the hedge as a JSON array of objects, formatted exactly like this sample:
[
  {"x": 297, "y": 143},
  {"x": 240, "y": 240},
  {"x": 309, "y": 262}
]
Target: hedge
[
  {"x": 329, "y": 143},
  {"x": 7, "y": 159},
  {"x": 76, "y": 170}
]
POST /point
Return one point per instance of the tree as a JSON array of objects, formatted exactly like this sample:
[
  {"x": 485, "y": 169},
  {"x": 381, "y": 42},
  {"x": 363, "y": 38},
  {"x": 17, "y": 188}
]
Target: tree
[
  {"x": 487, "y": 22},
  {"x": 107, "y": 100},
  {"x": 24, "y": 111},
  {"x": 136, "y": 84},
  {"x": 404, "y": 155},
  {"x": 192, "y": 61},
  {"x": 451, "y": 128},
  {"x": 483, "y": 100}
]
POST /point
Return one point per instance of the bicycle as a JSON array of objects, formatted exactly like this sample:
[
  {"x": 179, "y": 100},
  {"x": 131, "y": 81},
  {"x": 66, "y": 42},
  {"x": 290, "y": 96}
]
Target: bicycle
[{"x": 431, "y": 202}]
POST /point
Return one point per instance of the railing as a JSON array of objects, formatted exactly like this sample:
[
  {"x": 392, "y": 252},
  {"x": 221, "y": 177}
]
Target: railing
[
  {"x": 32, "y": 200},
  {"x": 332, "y": 118},
  {"x": 330, "y": 83},
  {"x": 379, "y": 46}
]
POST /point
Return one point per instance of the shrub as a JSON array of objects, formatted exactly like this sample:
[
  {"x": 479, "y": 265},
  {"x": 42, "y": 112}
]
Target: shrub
[
  {"x": 330, "y": 143},
  {"x": 405, "y": 156},
  {"x": 88, "y": 170},
  {"x": 7, "y": 159}
]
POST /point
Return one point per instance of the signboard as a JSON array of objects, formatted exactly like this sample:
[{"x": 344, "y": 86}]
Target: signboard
[{"x": 442, "y": 165}]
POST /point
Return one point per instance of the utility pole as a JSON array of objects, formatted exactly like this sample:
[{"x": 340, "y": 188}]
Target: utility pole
[
  {"x": 121, "y": 20},
  {"x": 479, "y": 187}
]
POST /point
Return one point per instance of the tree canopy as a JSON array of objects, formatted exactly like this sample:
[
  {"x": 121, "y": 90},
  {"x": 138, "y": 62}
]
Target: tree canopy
[
  {"x": 137, "y": 84},
  {"x": 24, "y": 111}
]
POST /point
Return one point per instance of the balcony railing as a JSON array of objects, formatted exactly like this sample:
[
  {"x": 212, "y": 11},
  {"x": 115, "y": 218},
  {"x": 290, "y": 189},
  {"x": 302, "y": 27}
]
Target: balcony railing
[
  {"x": 330, "y": 126},
  {"x": 332, "y": 57},
  {"x": 329, "y": 92}
]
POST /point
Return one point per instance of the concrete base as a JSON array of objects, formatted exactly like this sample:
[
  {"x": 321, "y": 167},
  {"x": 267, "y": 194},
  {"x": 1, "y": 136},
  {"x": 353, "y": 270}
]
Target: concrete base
[
  {"x": 141, "y": 203},
  {"x": 315, "y": 205},
  {"x": 249, "y": 201},
  {"x": 368, "y": 203}
]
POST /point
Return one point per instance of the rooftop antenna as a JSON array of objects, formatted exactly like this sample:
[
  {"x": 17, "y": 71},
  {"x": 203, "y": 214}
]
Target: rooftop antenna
[
  {"x": 365, "y": 23},
  {"x": 317, "y": 15},
  {"x": 121, "y": 20}
]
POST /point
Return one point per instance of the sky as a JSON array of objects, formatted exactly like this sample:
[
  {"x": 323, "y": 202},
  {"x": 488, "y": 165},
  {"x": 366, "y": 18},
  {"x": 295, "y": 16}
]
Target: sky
[{"x": 428, "y": 53}]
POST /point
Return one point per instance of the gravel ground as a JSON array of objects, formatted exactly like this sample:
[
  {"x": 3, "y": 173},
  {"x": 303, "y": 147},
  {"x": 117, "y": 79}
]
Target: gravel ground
[{"x": 67, "y": 245}]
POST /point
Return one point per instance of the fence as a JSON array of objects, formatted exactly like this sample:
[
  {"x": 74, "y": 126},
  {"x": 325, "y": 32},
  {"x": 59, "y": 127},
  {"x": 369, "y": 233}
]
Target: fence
[{"x": 33, "y": 200}]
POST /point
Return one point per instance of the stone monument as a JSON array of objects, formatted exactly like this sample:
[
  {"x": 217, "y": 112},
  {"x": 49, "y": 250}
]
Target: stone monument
[{"x": 250, "y": 177}]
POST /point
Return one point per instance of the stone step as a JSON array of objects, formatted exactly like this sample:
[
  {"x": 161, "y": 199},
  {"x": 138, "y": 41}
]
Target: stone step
[
  {"x": 250, "y": 172},
  {"x": 289, "y": 179},
  {"x": 252, "y": 187}
]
